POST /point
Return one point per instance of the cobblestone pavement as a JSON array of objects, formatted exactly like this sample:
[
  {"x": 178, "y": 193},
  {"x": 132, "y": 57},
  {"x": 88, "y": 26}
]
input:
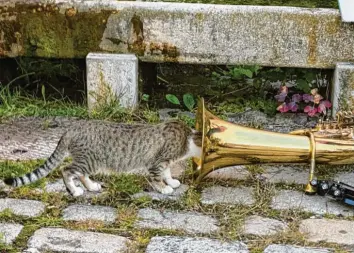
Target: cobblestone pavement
[{"x": 323, "y": 225}]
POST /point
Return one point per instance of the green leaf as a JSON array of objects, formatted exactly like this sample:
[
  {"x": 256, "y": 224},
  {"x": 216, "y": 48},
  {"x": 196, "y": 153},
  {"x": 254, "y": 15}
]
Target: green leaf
[
  {"x": 310, "y": 76},
  {"x": 145, "y": 97},
  {"x": 236, "y": 74},
  {"x": 188, "y": 101},
  {"x": 246, "y": 72},
  {"x": 255, "y": 69},
  {"x": 303, "y": 85},
  {"x": 173, "y": 99},
  {"x": 43, "y": 93},
  {"x": 215, "y": 74}
]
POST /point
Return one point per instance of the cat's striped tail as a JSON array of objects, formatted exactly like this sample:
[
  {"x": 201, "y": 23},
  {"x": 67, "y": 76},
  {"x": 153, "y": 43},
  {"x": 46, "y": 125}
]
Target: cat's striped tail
[{"x": 50, "y": 164}]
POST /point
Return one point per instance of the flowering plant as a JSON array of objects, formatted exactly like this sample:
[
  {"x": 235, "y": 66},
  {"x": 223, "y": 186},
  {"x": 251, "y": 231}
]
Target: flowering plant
[{"x": 314, "y": 101}]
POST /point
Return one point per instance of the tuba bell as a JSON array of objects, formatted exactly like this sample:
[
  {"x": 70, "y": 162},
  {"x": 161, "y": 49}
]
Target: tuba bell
[{"x": 228, "y": 144}]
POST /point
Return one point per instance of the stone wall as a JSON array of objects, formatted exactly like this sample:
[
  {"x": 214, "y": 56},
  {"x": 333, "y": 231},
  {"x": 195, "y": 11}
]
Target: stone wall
[{"x": 177, "y": 32}]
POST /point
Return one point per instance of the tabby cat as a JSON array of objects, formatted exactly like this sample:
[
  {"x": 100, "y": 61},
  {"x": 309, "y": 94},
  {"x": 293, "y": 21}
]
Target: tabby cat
[{"x": 105, "y": 147}]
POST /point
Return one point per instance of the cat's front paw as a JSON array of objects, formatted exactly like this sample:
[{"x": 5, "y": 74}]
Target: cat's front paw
[
  {"x": 174, "y": 183},
  {"x": 167, "y": 190},
  {"x": 77, "y": 192}
]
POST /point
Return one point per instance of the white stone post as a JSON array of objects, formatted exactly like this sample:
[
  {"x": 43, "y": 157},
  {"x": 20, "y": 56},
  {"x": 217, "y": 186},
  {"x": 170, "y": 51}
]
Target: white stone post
[
  {"x": 346, "y": 8},
  {"x": 343, "y": 87},
  {"x": 112, "y": 78}
]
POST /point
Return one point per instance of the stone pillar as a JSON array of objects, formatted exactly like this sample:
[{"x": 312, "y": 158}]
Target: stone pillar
[
  {"x": 343, "y": 87},
  {"x": 112, "y": 78}
]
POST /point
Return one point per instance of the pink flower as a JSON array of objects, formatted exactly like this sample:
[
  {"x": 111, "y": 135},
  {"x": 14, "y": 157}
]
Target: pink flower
[
  {"x": 307, "y": 98},
  {"x": 292, "y": 106},
  {"x": 322, "y": 107},
  {"x": 283, "y": 107},
  {"x": 280, "y": 97},
  {"x": 296, "y": 98},
  {"x": 326, "y": 103},
  {"x": 311, "y": 110}
]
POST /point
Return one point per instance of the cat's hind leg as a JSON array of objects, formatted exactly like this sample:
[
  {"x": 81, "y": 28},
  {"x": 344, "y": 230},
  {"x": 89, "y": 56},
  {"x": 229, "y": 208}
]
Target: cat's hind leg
[
  {"x": 156, "y": 175},
  {"x": 167, "y": 177},
  {"x": 69, "y": 174}
]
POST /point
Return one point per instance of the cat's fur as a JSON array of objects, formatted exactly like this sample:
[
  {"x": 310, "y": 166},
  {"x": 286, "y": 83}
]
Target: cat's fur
[{"x": 104, "y": 147}]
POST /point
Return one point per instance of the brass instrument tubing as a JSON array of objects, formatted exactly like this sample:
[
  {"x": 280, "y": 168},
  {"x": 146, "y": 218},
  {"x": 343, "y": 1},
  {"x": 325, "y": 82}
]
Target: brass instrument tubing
[{"x": 313, "y": 156}]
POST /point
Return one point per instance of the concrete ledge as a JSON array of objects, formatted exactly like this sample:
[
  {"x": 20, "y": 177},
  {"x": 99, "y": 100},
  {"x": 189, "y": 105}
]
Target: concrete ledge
[{"x": 177, "y": 32}]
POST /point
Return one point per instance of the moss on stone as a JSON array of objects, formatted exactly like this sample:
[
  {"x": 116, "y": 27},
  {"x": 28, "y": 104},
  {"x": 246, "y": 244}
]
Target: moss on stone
[{"x": 45, "y": 32}]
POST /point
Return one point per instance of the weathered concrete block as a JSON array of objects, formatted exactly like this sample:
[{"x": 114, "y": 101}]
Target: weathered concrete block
[
  {"x": 275, "y": 248},
  {"x": 85, "y": 212},
  {"x": 64, "y": 240},
  {"x": 30, "y": 208},
  {"x": 190, "y": 222},
  {"x": 335, "y": 231},
  {"x": 239, "y": 172},
  {"x": 174, "y": 244},
  {"x": 261, "y": 226},
  {"x": 110, "y": 78},
  {"x": 343, "y": 87},
  {"x": 9, "y": 232},
  {"x": 286, "y": 174},
  {"x": 228, "y": 195},
  {"x": 287, "y": 199},
  {"x": 178, "y": 32},
  {"x": 266, "y": 35}
]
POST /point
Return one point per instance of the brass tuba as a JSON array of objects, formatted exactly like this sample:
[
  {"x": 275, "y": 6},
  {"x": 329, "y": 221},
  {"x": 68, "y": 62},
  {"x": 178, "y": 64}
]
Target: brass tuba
[{"x": 227, "y": 144}]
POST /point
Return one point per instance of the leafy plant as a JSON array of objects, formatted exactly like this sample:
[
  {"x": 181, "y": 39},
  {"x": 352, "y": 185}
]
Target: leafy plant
[
  {"x": 236, "y": 72},
  {"x": 188, "y": 100},
  {"x": 173, "y": 99},
  {"x": 145, "y": 97}
]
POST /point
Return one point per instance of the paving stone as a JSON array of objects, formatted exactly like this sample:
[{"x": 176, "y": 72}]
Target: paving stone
[
  {"x": 175, "y": 244},
  {"x": 274, "y": 248},
  {"x": 261, "y": 226},
  {"x": 64, "y": 240},
  {"x": 286, "y": 174},
  {"x": 334, "y": 231},
  {"x": 175, "y": 195},
  {"x": 227, "y": 195},
  {"x": 110, "y": 77},
  {"x": 30, "y": 208},
  {"x": 191, "y": 222},
  {"x": 288, "y": 199},
  {"x": 59, "y": 187},
  {"x": 9, "y": 232},
  {"x": 234, "y": 172},
  {"x": 86, "y": 212},
  {"x": 345, "y": 177}
]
